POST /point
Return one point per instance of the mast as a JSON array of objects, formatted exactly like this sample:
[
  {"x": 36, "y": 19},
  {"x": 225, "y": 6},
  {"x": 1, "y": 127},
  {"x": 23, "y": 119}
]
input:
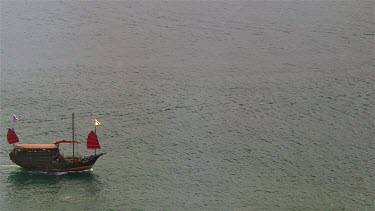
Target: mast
[
  {"x": 73, "y": 133},
  {"x": 95, "y": 130}
]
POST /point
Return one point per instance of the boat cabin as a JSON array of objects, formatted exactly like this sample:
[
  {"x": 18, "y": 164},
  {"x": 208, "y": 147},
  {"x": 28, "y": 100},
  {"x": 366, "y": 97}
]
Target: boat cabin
[
  {"x": 40, "y": 148},
  {"x": 36, "y": 152}
]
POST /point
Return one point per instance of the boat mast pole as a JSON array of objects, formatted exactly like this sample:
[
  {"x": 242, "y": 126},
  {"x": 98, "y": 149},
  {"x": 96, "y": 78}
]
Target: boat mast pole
[
  {"x": 73, "y": 133},
  {"x": 95, "y": 131}
]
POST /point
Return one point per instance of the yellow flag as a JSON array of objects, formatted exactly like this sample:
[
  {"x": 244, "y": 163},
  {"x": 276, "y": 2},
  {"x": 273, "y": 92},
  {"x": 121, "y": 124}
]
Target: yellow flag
[{"x": 97, "y": 122}]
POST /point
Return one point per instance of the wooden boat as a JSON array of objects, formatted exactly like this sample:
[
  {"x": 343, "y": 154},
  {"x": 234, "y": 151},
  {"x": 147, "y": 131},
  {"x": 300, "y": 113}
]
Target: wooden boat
[{"x": 47, "y": 157}]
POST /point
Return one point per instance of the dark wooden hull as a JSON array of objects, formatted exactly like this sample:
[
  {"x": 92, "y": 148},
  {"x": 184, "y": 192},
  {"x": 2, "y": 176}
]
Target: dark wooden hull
[{"x": 51, "y": 164}]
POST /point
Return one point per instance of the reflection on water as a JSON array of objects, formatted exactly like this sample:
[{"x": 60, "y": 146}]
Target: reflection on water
[
  {"x": 24, "y": 177},
  {"x": 56, "y": 188}
]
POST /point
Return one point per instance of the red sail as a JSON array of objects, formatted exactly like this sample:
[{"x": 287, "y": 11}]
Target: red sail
[
  {"x": 12, "y": 137},
  {"x": 92, "y": 141}
]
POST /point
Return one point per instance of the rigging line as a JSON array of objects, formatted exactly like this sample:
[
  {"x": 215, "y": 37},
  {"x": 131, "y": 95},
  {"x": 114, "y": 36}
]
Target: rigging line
[{"x": 55, "y": 119}]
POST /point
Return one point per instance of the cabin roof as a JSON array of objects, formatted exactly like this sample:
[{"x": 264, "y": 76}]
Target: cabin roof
[{"x": 35, "y": 146}]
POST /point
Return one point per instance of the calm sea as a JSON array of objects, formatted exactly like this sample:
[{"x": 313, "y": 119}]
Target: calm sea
[{"x": 204, "y": 105}]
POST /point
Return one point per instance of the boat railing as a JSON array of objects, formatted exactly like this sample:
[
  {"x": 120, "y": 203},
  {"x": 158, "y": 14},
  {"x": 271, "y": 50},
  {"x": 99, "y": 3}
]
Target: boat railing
[{"x": 70, "y": 158}]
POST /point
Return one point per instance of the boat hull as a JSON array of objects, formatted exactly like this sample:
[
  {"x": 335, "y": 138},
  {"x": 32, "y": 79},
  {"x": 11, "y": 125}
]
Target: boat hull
[{"x": 55, "y": 165}]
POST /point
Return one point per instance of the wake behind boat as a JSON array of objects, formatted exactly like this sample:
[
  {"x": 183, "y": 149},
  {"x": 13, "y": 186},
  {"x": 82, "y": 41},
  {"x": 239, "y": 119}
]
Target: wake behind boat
[{"x": 47, "y": 157}]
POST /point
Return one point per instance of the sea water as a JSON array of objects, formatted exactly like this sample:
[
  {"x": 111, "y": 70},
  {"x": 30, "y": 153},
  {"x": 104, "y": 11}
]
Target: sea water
[{"x": 204, "y": 105}]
